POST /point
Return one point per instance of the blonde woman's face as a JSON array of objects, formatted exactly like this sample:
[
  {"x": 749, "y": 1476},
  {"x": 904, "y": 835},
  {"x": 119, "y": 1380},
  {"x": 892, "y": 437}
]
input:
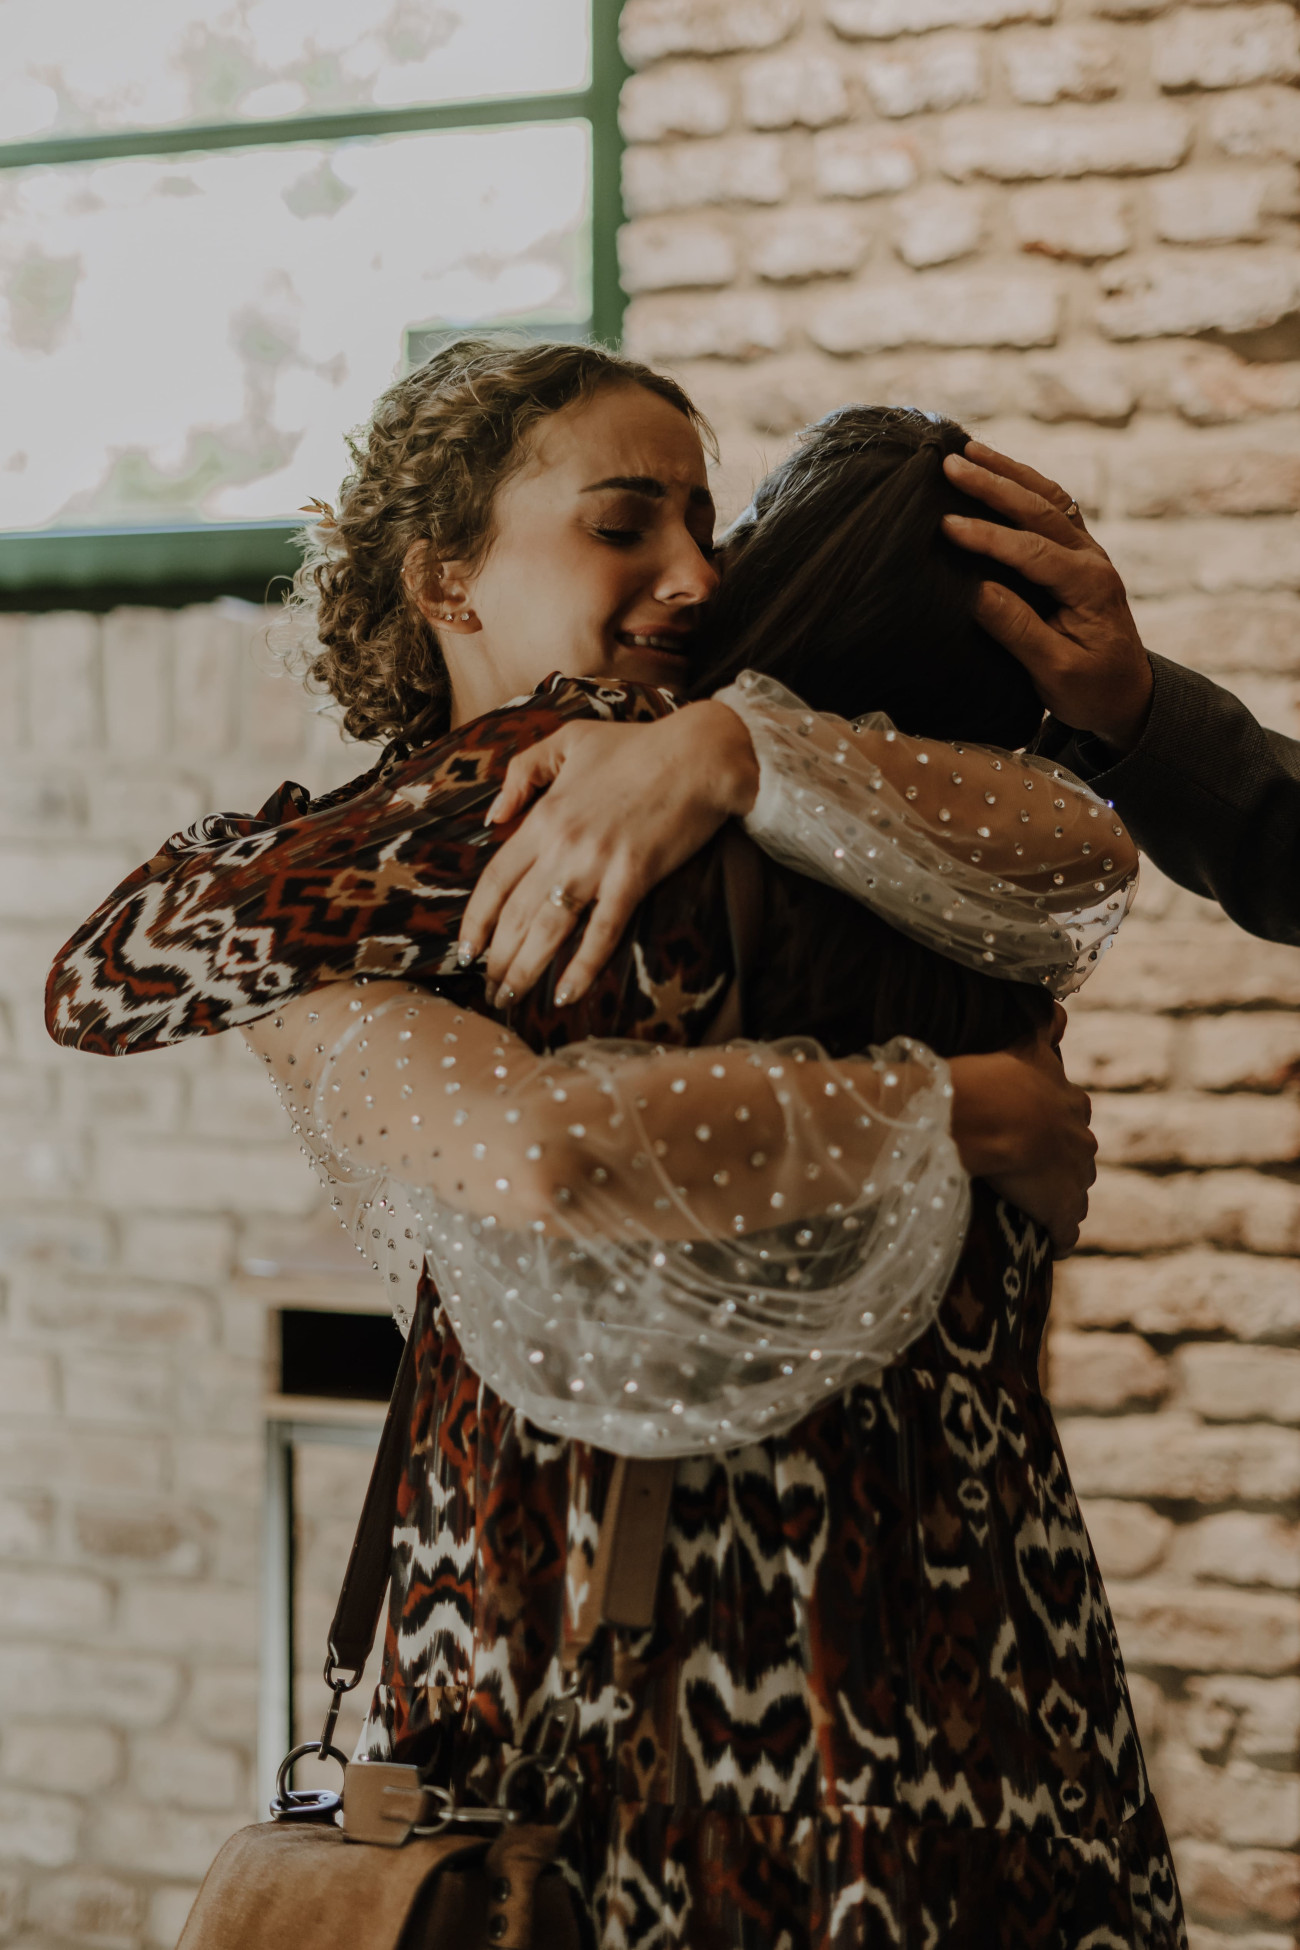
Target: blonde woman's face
[{"x": 600, "y": 556}]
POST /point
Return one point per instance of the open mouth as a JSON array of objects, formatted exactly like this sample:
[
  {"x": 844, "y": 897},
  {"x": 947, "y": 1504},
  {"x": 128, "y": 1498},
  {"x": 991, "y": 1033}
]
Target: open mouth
[{"x": 659, "y": 643}]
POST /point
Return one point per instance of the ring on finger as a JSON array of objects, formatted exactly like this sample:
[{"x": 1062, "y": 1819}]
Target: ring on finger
[
  {"x": 560, "y": 896},
  {"x": 1072, "y": 511}
]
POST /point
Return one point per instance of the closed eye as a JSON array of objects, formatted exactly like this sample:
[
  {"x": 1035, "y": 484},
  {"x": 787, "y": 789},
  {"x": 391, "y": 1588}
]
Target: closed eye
[{"x": 621, "y": 537}]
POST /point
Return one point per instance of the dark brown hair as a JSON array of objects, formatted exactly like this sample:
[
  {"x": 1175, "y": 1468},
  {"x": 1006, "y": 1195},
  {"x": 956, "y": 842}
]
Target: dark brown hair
[
  {"x": 841, "y": 584},
  {"x": 427, "y": 469}
]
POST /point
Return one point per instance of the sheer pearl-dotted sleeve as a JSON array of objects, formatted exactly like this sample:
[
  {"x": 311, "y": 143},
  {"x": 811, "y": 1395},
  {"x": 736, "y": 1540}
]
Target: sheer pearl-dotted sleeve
[
  {"x": 1003, "y": 862},
  {"x": 659, "y": 1251}
]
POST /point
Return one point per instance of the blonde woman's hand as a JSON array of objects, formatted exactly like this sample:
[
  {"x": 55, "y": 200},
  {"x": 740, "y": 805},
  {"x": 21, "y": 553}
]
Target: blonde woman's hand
[
  {"x": 622, "y": 806},
  {"x": 1020, "y": 1124}
]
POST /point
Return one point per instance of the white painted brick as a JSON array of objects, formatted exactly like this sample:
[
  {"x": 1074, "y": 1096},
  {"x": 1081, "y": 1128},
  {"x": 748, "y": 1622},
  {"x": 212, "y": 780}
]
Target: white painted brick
[
  {"x": 1014, "y": 145},
  {"x": 1241, "y": 1384},
  {"x": 65, "y": 1682},
  {"x": 75, "y": 1759},
  {"x": 680, "y": 98},
  {"x": 63, "y": 681},
  {"x": 222, "y": 1466},
  {"x": 1239, "y": 1547},
  {"x": 911, "y": 78},
  {"x": 1182, "y": 292},
  {"x": 659, "y": 253},
  {"x": 179, "y": 1248},
  {"x": 882, "y": 19},
  {"x": 188, "y": 1773},
  {"x": 137, "y": 649},
  {"x": 139, "y": 1096},
  {"x": 1079, "y": 64},
  {"x": 208, "y": 654},
  {"x": 785, "y": 90},
  {"x": 38, "y": 1828},
  {"x": 729, "y": 325},
  {"x": 1182, "y": 1127},
  {"x": 1225, "y": 1884},
  {"x": 1203, "y": 480},
  {"x": 1218, "y": 206},
  {"x": 684, "y": 175},
  {"x": 1263, "y": 122},
  {"x": 13, "y": 683},
  {"x": 1081, "y": 384},
  {"x": 28, "y": 1382},
  {"x": 1174, "y": 1455},
  {"x": 146, "y": 811},
  {"x": 1191, "y": 1292},
  {"x": 1227, "y": 47},
  {"x": 1249, "y": 1051},
  {"x": 58, "y": 883},
  {"x": 135, "y": 1389},
  {"x": 26, "y": 1524},
  {"x": 651, "y": 29},
  {"x": 1192, "y": 1629},
  {"x": 203, "y": 1176},
  {"x": 1080, "y": 220},
  {"x": 1104, "y": 1372},
  {"x": 938, "y": 223},
  {"x": 1119, "y": 1050},
  {"x": 863, "y": 162},
  {"x": 1237, "y": 1804},
  {"x": 106, "y": 1310},
  {"x": 1130, "y": 1539},
  {"x": 144, "y": 1839},
  {"x": 33, "y": 805},
  {"x": 1243, "y": 1717},
  {"x": 202, "y": 1618},
  {"x": 807, "y": 243},
  {"x": 89, "y": 1906},
  {"x": 945, "y": 308}
]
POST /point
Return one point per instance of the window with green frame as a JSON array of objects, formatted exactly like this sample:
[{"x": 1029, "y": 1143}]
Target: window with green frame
[{"x": 225, "y": 227}]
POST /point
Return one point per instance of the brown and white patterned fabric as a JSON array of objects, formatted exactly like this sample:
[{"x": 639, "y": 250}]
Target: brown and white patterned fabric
[{"x": 882, "y": 1706}]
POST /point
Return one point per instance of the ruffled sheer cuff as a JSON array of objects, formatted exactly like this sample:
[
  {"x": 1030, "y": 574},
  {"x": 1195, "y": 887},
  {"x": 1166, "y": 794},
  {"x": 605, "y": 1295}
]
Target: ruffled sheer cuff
[
  {"x": 656, "y": 1251},
  {"x": 1003, "y": 862}
]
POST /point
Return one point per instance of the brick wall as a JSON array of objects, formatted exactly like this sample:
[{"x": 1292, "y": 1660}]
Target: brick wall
[
  {"x": 1071, "y": 226},
  {"x": 132, "y": 1369},
  {"x": 1070, "y": 223}
]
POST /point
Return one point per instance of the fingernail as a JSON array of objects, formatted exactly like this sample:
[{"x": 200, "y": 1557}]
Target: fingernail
[
  {"x": 562, "y": 998},
  {"x": 507, "y": 995},
  {"x": 491, "y": 812},
  {"x": 489, "y": 993},
  {"x": 466, "y": 952}
]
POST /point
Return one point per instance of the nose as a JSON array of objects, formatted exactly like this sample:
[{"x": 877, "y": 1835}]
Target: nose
[{"x": 687, "y": 576}]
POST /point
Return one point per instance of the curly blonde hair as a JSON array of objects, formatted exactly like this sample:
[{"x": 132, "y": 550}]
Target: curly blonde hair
[{"x": 427, "y": 469}]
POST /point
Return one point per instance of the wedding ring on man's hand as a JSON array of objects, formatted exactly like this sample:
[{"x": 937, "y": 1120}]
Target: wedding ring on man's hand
[
  {"x": 561, "y": 897},
  {"x": 1072, "y": 511}
]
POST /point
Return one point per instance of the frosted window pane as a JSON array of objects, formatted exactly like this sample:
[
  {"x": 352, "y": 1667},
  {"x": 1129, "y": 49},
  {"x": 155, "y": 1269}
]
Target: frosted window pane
[
  {"x": 67, "y": 66},
  {"x": 189, "y": 336}
]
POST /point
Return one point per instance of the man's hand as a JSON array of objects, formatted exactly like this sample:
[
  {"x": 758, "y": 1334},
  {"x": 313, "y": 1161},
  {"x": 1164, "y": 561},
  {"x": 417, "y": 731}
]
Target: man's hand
[
  {"x": 1088, "y": 664},
  {"x": 623, "y": 806},
  {"x": 1021, "y": 1124}
]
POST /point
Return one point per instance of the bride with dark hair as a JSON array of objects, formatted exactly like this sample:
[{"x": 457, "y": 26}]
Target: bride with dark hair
[{"x": 881, "y": 1701}]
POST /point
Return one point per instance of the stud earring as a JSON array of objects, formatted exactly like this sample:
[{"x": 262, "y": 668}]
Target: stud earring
[{"x": 464, "y": 616}]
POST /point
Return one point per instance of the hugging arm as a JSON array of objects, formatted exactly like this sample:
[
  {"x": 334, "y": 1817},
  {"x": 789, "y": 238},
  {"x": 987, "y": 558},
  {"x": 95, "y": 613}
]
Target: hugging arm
[
  {"x": 1004, "y": 862},
  {"x": 642, "y": 1247}
]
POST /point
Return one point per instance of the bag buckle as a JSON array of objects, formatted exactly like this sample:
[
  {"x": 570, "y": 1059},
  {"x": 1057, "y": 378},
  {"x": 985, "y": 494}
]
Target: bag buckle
[{"x": 314, "y": 1804}]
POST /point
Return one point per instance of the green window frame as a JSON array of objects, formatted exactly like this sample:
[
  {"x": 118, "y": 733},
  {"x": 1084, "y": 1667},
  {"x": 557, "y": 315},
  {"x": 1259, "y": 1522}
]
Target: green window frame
[{"x": 165, "y": 566}]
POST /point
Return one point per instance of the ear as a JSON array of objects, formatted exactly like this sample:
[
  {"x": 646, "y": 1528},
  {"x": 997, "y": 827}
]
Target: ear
[{"x": 438, "y": 591}]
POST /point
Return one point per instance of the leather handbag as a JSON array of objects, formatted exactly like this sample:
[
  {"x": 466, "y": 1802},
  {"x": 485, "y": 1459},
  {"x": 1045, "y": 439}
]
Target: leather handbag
[{"x": 409, "y": 1868}]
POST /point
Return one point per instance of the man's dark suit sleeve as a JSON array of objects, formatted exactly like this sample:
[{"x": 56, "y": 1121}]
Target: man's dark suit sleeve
[{"x": 1210, "y": 795}]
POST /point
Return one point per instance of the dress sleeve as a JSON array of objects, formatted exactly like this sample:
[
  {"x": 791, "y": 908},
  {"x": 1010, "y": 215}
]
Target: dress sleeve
[
  {"x": 659, "y": 1251},
  {"x": 1002, "y": 861}
]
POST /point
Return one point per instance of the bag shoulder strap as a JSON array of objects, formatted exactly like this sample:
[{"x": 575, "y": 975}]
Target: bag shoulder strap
[{"x": 361, "y": 1596}]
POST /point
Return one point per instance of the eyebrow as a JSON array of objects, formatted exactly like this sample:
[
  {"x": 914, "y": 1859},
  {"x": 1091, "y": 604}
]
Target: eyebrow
[{"x": 647, "y": 485}]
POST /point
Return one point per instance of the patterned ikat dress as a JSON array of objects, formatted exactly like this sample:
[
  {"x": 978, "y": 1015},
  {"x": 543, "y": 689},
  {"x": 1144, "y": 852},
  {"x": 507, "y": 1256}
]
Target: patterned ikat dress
[{"x": 882, "y": 1706}]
